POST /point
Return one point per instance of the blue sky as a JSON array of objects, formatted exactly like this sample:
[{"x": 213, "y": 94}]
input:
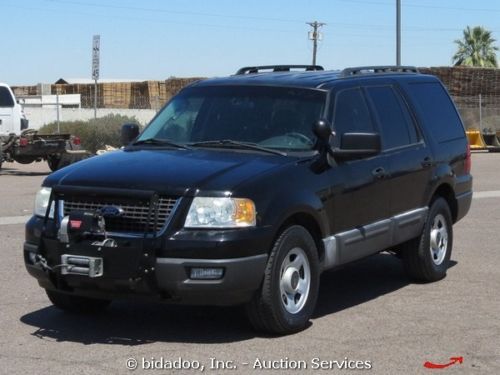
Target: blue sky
[{"x": 43, "y": 40}]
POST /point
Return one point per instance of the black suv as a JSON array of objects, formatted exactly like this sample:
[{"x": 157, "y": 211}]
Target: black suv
[{"x": 243, "y": 190}]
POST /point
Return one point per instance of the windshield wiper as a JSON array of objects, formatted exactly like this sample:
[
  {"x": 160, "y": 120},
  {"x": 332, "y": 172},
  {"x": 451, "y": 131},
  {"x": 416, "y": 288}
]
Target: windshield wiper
[
  {"x": 229, "y": 143},
  {"x": 160, "y": 142}
]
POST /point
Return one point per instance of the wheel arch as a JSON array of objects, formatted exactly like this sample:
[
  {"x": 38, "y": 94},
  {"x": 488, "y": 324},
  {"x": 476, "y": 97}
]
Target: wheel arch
[
  {"x": 310, "y": 223},
  {"x": 446, "y": 192}
]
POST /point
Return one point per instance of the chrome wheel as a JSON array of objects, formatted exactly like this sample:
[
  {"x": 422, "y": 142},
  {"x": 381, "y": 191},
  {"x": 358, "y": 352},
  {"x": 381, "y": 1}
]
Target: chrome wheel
[
  {"x": 438, "y": 239},
  {"x": 295, "y": 280}
]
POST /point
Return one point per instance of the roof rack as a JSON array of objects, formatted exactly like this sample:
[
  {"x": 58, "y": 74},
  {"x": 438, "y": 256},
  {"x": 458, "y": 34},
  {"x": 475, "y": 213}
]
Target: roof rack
[
  {"x": 277, "y": 68},
  {"x": 378, "y": 70}
]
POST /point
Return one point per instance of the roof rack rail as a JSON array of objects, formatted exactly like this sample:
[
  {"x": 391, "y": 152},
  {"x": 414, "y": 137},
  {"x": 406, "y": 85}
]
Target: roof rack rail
[
  {"x": 378, "y": 69},
  {"x": 276, "y": 68}
]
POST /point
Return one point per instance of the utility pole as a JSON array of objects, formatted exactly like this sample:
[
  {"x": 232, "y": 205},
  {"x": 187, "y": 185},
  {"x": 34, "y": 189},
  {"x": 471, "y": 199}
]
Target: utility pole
[
  {"x": 96, "y": 48},
  {"x": 315, "y": 35},
  {"x": 398, "y": 32}
]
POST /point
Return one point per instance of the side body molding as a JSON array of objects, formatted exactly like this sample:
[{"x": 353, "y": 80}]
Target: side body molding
[{"x": 372, "y": 238}]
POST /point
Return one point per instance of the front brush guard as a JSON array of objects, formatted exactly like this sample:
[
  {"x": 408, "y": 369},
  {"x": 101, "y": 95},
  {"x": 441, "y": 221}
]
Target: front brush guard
[{"x": 127, "y": 258}]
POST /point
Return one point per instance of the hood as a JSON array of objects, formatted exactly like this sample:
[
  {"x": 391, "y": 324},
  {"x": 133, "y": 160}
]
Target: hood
[{"x": 168, "y": 171}]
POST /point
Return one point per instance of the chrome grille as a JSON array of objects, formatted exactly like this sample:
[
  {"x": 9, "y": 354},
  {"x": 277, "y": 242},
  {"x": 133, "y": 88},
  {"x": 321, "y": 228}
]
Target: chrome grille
[{"x": 135, "y": 213}]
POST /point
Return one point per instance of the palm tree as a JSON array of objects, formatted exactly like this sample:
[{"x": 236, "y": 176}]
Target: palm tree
[{"x": 476, "y": 48}]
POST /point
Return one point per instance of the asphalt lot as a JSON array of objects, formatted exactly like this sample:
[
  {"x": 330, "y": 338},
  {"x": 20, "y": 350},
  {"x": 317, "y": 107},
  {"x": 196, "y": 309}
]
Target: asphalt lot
[{"x": 367, "y": 311}]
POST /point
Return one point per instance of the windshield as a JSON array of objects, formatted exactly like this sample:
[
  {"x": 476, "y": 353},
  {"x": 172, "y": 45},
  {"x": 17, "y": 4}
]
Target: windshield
[{"x": 272, "y": 117}]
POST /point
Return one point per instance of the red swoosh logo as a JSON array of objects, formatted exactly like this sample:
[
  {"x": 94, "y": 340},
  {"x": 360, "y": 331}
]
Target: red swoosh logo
[{"x": 453, "y": 360}]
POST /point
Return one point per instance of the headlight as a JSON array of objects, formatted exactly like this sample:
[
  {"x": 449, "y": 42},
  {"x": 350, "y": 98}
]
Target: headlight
[
  {"x": 42, "y": 201},
  {"x": 220, "y": 213}
]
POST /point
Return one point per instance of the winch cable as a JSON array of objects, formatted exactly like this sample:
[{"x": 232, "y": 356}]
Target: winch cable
[{"x": 43, "y": 263}]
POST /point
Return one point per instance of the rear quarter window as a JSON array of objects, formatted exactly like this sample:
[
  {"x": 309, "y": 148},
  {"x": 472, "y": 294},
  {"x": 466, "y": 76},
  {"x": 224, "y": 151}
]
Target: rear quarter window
[{"x": 436, "y": 110}]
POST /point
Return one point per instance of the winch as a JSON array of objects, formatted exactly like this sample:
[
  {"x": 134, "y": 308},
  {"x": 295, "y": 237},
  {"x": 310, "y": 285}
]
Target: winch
[{"x": 80, "y": 225}]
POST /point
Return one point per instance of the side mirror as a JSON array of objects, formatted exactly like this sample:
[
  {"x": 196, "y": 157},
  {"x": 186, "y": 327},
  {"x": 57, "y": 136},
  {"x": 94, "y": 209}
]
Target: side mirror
[
  {"x": 323, "y": 130},
  {"x": 356, "y": 145},
  {"x": 129, "y": 132}
]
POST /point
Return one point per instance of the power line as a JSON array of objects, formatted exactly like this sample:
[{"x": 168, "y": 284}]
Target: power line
[
  {"x": 135, "y": 18},
  {"x": 423, "y": 6},
  {"x": 337, "y": 25},
  {"x": 162, "y": 10},
  {"x": 315, "y": 35},
  {"x": 366, "y": 26}
]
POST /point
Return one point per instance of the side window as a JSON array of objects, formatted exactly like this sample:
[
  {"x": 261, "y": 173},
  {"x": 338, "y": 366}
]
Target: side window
[
  {"x": 396, "y": 124},
  {"x": 351, "y": 114},
  {"x": 437, "y": 111},
  {"x": 5, "y": 98}
]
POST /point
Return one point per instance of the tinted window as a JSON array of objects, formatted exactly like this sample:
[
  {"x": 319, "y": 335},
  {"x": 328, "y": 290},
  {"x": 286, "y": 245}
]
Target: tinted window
[
  {"x": 5, "y": 97},
  {"x": 351, "y": 113},
  {"x": 396, "y": 123},
  {"x": 276, "y": 117},
  {"x": 437, "y": 110},
  {"x": 177, "y": 119}
]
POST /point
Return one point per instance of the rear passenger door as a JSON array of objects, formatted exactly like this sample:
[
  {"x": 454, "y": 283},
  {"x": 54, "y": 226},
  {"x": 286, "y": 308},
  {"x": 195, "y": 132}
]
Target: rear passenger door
[{"x": 410, "y": 159}]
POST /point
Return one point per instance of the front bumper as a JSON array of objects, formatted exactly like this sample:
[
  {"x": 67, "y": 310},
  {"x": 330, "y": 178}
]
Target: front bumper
[
  {"x": 242, "y": 277},
  {"x": 166, "y": 277}
]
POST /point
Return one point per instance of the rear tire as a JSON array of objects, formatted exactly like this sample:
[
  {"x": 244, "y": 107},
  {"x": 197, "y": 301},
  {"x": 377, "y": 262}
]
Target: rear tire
[
  {"x": 24, "y": 159},
  {"x": 53, "y": 161},
  {"x": 77, "y": 304},
  {"x": 426, "y": 258},
  {"x": 287, "y": 299}
]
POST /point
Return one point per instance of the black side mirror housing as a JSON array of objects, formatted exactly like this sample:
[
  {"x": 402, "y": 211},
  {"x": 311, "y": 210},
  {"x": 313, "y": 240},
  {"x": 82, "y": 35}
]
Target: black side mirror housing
[
  {"x": 357, "y": 145},
  {"x": 129, "y": 132},
  {"x": 352, "y": 145}
]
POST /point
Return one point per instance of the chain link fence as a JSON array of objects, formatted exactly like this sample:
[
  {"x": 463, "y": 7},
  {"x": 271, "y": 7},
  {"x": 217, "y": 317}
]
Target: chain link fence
[
  {"x": 479, "y": 112},
  {"x": 154, "y": 102}
]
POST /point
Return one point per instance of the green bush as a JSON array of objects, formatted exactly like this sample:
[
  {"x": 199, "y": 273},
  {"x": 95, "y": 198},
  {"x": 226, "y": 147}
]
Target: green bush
[{"x": 94, "y": 133}]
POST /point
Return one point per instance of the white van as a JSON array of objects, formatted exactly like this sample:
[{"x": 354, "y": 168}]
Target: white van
[{"x": 12, "y": 117}]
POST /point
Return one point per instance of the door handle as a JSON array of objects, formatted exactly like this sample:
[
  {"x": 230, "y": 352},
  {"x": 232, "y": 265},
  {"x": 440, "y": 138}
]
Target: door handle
[
  {"x": 379, "y": 173},
  {"x": 427, "y": 162}
]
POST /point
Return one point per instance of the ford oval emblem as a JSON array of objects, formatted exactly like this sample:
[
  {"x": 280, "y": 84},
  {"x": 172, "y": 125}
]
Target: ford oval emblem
[{"x": 111, "y": 211}]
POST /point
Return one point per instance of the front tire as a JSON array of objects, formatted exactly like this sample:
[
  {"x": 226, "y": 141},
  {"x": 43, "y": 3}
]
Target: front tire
[
  {"x": 287, "y": 299},
  {"x": 426, "y": 257},
  {"x": 77, "y": 304}
]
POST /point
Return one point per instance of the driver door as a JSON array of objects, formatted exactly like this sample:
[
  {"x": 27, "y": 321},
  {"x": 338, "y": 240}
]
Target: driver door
[{"x": 359, "y": 207}]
